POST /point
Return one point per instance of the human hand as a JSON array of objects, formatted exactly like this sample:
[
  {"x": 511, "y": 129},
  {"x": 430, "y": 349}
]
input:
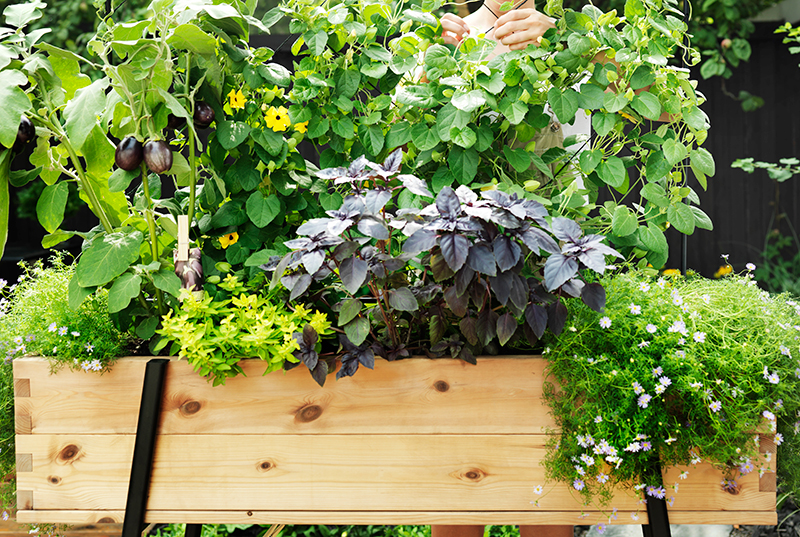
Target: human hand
[
  {"x": 454, "y": 29},
  {"x": 521, "y": 27}
]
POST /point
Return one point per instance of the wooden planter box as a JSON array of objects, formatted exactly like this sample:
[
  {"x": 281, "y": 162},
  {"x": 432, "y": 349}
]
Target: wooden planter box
[{"x": 417, "y": 441}]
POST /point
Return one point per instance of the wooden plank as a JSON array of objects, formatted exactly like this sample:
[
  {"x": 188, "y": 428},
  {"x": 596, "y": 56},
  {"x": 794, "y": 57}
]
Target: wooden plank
[
  {"x": 408, "y": 397},
  {"x": 402, "y": 517},
  {"x": 333, "y": 472}
]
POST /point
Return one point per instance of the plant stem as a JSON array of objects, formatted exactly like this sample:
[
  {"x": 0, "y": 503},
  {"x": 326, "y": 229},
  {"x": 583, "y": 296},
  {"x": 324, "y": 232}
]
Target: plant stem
[
  {"x": 151, "y": 227},
  {"x": 86, "y": 186},
  {"x": 190, "y": 138}
]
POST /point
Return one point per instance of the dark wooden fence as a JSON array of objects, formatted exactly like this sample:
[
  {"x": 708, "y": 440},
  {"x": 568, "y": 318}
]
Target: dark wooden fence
[{"x": 742, "y": 206}]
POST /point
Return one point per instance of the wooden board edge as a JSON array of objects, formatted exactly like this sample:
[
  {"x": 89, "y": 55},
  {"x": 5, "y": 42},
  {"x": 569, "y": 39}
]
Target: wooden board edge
[{"x": 765, "y": 518}]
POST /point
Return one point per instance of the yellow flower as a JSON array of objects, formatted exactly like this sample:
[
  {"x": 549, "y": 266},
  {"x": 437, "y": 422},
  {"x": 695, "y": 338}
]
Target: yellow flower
[
  {"x": 671, "y": 272},
  {"x": 236, "y": 99},
  {"x": 723, "y": 270},
  {"x": 300, "y": 311},
  {"x": 227, "y": 240},
  {"x": 302, "y": 128},
  {"x": 277, "y": 119},
  {"x": 319, "y": 321},
  {"x": 629, "y": 117}
]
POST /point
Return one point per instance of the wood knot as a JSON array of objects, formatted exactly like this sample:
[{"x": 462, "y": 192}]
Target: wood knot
[
  {"x": 191, "y": 407},
  {"x": 54, "y": 480},
  {"x": 472, "y": 474},
  {"x": 441, "y": 386},
  {"x": 106, "y": 520},
  {"x": 249, "y": 513},
  {"x": 69, "y": 453},
  {"x": 265, "y": 466},
  {"x": 733, "y": 489},
  {"x": 308, "y": 413}
]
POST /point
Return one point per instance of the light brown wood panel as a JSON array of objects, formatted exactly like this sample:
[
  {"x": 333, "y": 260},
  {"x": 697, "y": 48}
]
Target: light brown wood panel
[
  {"x": 331, "y": 472},
  {"x": 401, "y": 517},
  {"x": 499, "y": 395}
]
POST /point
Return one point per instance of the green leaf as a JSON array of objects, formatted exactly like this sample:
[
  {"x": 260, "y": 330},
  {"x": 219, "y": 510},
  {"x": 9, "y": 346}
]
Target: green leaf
[
  {"x": 20, "y": 15},
  {"x": 15, "y": 103},
  {"x": 469, "y": 102},
  {"x": 77, "y": 294},
  {"x": 702, "y": 160},
  {"x": 357, "y": 330},
  {"x": 318, "y": 126},
  {"x": 344, "y": 127},
  {"x": 371, "y": 138},
  {"x": 514, "y": 111},
  {"x": 67, "y": 68},
  {"x": 191, "y": 38},
  {"x": 519, "y": 159},
  {"x": 612, "y": 172},
  {"x": 423, "y": 137},
  {"x": 603, "y": 122},
  {"x": 316, "y": 41},
  {"x": 642, "y": 77},
  {"x": 448, "y": 117},
  {"x": 262, "y": 209},
  {"x": 232, "y": 133},
  {"x": 591, "y": 97},
  {"x": 124, "y": 289},
  {"x": 589, "y": 160},
  {"x": 579, "y": 44},
  {"x": 681, "y": 217},
  {"x": 98, "y": 151},
  {"x": 5, "y": 200},
  {"x": 674, "y": 151},
  {"x": 271, "y": 17},
  {"x": 399, "y": 134},
  {"x": 349, "y": 310},
  {"x": 275, "y": 74},
  {"x": 564, "y": 104},
  {"x": 613, "y": 102},
  {"x": 647, "y": 105},
  {"x": 464, "y": 164},
  {"x": 653, "y": 238},
  {"x": 655, "y": 194},
  {"x": 695, "y": 118},
  {"x": 378, "y": 53},
  {"x": 51, "y": 205},
  {"x": 624, "y": 222},
  {"x": 347, "y": 81},
  {"x": 465, "y": 137},
  {"x": 402, "y": 64},
  {"x": 83, "y": 110},
  {"x": 374, "y": 69},
  {"x": 493, "y": 83},
  {"x": 701, "y": 219},
  {"x": 107, "y": 257},
  {"x": 167, "y": 281}
]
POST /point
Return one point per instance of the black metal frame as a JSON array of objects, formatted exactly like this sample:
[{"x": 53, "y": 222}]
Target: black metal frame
[{"x": 658, "y": 519}]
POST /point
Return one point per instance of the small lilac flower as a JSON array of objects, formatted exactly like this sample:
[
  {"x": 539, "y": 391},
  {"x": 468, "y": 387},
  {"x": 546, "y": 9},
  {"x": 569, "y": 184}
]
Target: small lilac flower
[
  {"x": 651, "y": 328},
  {"x": 681, "y": 341},
  {"x": 773, "y": 378},
  {"x": 657, "y": 371},
  {"x": 677, "y": 300},
  {"x": 678, "y": 326},
  {"x": 778, "y": 439},
  {"x": 5, "y": 513},
  {"x": 643, "y": 344},
  {"x": 633, "y": 447},
  {"x": 660, "y": 389},
  {"x": 661, "y": 282},
  {"x": 671, "y": 501},
  {"x": 578, "y": 484},
  {"x": 89, "y": 348},
  {"x": 605, "y": 322},
  {"x": 635, "y": 309},
  {"x": 746, "y": 467},
  {"x": 670, "y": 440},
  {"x": 699, "y": 337},
  {"x": 3, "y": 283},
  {"x": 644, "y": 287},
  {"x": 696, "y": 384},
  {"x": 75, "y": 334},
  {"x": 684, "y": 474},
  {"x": 63, "y": 331},
  {"x": 598, "y": 419},
  {"x": 665, "y": 381},
  {"x": 646, "y": 445},
  {"x": 587, "y": 460},
  {"x": 680, "y": 354},
  {"x": 779, "y": 404},
  {"x": 52, "y": 328},
  {"x": 660, "y": 493},
  {"x": 30, "y": 337},
  {"x": 715, "y": 406},
  {"x": 601, "y": 528},
  {"x": 18, "y": 340},
  {"x": 785, "y": 351},
  {"x": 635, "y": 516},
  {"x": 537, "y": 490},
  {"x": 602, "y": 478},
  {"x": 750, "y": 266},
  {"x": 644, "y": 400},
  {"x": 706, "y": 298},
  {"x": 637, "y": 388}
]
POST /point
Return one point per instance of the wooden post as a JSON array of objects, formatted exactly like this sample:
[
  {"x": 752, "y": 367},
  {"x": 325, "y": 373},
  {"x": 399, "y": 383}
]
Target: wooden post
[{"x": 183, "y": 238}]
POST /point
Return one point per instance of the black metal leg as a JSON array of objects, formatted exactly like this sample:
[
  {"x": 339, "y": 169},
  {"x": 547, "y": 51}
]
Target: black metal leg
[
  {"x": 144, "y": 447},
  {"x": 659, "y": 519},
  {"x": 193, "y": 530}
]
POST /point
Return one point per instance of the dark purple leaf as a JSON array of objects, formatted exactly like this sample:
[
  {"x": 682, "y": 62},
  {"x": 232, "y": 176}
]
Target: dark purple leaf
[
  {"x": 441, "y": 270},
  {"x": 464, "y": 278},
  {"x": 331, "y": 173},
  {"x": 556, "y": 317},
  {"x": 534, "y": 238},
  {"x": 367, "y": 358},
  {"x": 557, "y": 270},
  {"x": 415, "y": 185},
  {"x": 337, "y": 227},
  {"x": 487, "y": 325},
  {"x": 448, "y": 203},
  {"x": 345, "y": 250},
  {"x": 454, "y": 250},
  {"x": 538, "y": 293},
  {"x": 348, "y": 369},
  {"x": 573, "y": 288},
  {"x": 353, "y": 272},
  {"x": 310, "y": 336},
  {"x": 466, "y": 355},
  {"x": 402, "y": 299},
  {"x": 315, "y": 226},
  {"x": 468, "y": 328},
  {"x": 458, "y": 304},
  {"x": 536, "y": 317},
  {"x": 376, "y": 200},
  {"x": 372, "y": 227},
  {"x": 594, "y": 296},
  {"x": 530, "y": 337},
  {"x": 300, "y": 286},
  {"x": 504, "y": 218},
  {"x": 421, "y": 241},
  {"x": 506, "y": 326},
  {"x": 593, "y": 259},
  {"x": 519, "y": 292},
  {"x": 320, "y": 372},
  {"x": 478, "y": 291},
  {"x": 426, "y": 293},
  {"x": 393, "y": 161},
  {"x": 357, "y": 166},
  {"x": 280, "y": 270},
  {"x": 506, "y": 252},
  {"x": 481, "y": 259},
  {"x": 566, "y": 230},
  {"x": 312, "y": 260},
  {"x": 501, "y": 286},
  {"x": 436, "y": 328}
]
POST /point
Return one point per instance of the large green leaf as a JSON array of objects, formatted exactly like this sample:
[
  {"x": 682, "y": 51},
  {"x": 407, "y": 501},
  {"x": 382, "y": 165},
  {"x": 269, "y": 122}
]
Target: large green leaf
[
  {"x": 564, "y": 104},
  {"x": 19, "y": 15},
  {"x": 67, "y": 68},
  {"x": 591, "y": 97},
  {"x": 603, "y": 122},
  {"x": 262, "y": 209},
  {"x": 701, "y": 219},
  {"x": 514, "y": 111},
  {"x": 107, "y": 257},
  {"x": 51, "y": 205},
  {"x": 232, "y": 133},
  {"x": 190, "y": 37},
  {"x": 653, "y": 238},
  {"x": 702, "y": 160},
  {"x": 464, "y": 164},
  {"x": 655, "y": 194},
  {"x": 124, "y": 289},
  {"x": 399, "y": 134},
  {"x": 371, "y": 138},
  {"x": 519, "y": 159},
  {"x": 5, "y": 164},
  {"x": 647, "y": 105},
  {"x": 470, "y": 101},
  {"x": 624, "y": 222},
  {"x": 15, "y": 103},
  {"x": 167, "y": 281},
  {"x": 82, "y": 111},
  {"x": 674, "y": 151},
  {"x": 423, "y": 137},
  {"x": 589, "y": 160},
  {"x": 681, "y": 217},
  {"x": 612, "y": 171}
]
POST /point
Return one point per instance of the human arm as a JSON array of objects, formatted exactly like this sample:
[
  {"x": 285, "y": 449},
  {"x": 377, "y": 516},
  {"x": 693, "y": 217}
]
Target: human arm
[{"x": 522, "y": 27}]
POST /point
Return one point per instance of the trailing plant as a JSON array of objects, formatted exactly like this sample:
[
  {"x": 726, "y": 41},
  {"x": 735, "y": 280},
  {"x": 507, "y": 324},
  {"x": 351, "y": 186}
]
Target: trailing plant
[{"x": 679, "y": 370}]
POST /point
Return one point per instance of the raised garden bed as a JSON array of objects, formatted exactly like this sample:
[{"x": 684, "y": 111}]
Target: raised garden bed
[{"x": 417, "y": 441}]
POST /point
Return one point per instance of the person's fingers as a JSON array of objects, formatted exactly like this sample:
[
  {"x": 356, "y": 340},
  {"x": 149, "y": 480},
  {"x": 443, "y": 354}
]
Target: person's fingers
[{"x": 453, "y": 29}]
